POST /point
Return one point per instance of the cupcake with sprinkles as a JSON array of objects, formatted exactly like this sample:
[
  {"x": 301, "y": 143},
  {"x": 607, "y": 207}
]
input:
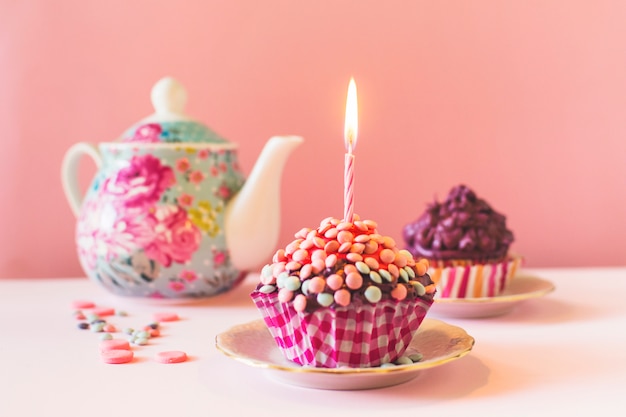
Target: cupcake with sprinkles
[
  {"x": 343, "y": 295},
  {"x": 466, "y": 243}
]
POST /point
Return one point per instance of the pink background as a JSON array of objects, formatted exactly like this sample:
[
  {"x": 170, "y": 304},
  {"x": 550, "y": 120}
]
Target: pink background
[{"x": 524, "y": 101}]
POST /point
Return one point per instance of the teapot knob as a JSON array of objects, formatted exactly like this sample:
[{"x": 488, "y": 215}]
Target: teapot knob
[{"x": 169, "y": 97}]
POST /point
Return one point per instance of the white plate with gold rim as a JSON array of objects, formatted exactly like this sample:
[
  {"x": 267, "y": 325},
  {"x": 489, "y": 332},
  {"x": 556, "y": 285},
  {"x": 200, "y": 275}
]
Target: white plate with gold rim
[
  {"x": 521, "y": 288},
  {"x": 252, "y": 344}
]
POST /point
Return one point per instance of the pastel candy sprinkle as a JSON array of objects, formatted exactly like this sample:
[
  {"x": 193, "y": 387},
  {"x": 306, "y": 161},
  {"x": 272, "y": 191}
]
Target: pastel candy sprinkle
[
  {"x": 403, "y": 274},
  {"x": 354, "y": 280},
  {"x": 371, "y": 224},
  {"x": 281, "y": 279},
  {"x": 354, "y": 257},
  {"x": 140, "y": 341},
  {"x": 316, "y": 285},
  {"x": 410, "y": 271},
  {"x": 344, "y": 226},
  {"x": 375, "y": 276},
  {"x": 360, "y": 225},
  {"x": 385, "y": 274},
  {"x": 362, "y": 267},
  {"x": 421, "y": 268},
  {"x": 344, "y": 247},
  {"x": 306, "y": 271},
  {"x": 371, "y": 247},
  {"x": 331, "y": 260},
  {"x": 300, "y": 255},
  {"x": 345, "y": 237},
  {"x": 362, "y": 239},
  {"x": 400, "y": 261},
  {"x": 97, "y": 327},
  {"x": 305, "y": 287},
  {"x": 399, "y": 292},
  {"x": 285, "y": 295},
  {"x": 387, "y": 256},
  {"x": 293, "y": 266},
  {"x": 357, "y": 248},
  {"x": 267, "y": 289},
  {"x": 419, "y": 288},
  {"x": 373, "y": 294},
  {"x": 292, "y": 283},
  {"x": 332, "y": 247},
  {"x": 388, "y": 242},
  {"x": 318, "y": 266},
  {"x": 267, "y": 271},
  {"x": 342, "y": 297},
  {"x": 109, "y": 328},
  {"x": 299, "y": 303},
  {"x": 325, "y": 299},
  {"x": 393, "y": 270},
  {"x": 403, "y": 360},
  {"x": 334, "y": 281}
]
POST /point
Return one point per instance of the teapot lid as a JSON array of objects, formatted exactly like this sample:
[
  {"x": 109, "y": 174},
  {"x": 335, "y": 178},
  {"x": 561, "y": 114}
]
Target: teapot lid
[{"x": 169, "y": 123}]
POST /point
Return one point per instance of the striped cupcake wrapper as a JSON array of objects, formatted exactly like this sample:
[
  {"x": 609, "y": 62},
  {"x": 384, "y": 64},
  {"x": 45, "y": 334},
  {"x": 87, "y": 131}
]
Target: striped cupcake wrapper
[{"x": 469, "y": 280}]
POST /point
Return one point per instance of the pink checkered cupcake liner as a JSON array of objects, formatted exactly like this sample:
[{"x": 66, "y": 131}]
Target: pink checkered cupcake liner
[
  {"x": 356, "y": 336},
  {"x": 465, "y": 279}
]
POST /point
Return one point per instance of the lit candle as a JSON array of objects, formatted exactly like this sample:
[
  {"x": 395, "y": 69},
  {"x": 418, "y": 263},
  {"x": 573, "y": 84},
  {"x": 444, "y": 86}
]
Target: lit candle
[{"x": 349, "y": 137}]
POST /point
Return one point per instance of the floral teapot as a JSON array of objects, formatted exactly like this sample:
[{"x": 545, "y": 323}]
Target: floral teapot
[{"x": 169, "y": 214}]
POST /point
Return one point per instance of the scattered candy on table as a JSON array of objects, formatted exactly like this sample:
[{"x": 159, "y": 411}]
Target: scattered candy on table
[{"x": 115, "y": 350}]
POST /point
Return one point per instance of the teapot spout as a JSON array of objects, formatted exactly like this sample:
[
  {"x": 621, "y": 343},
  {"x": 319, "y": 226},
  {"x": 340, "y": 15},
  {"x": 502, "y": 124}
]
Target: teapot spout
[{"x": 252, "y": 217}]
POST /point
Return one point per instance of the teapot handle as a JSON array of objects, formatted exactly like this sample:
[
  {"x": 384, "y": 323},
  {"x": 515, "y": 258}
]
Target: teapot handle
[{"x": 69, "y": 172}]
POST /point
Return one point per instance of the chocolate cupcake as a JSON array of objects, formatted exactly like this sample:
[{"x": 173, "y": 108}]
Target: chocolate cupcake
[{"x": 467, "y": 245}]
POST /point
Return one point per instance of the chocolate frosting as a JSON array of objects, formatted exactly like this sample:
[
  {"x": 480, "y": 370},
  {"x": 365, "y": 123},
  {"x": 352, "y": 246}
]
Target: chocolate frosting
[{"x": 461, "y": 227}]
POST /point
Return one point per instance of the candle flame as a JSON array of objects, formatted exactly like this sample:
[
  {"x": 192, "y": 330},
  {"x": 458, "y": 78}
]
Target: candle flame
[{"x": 351, "y": 126}]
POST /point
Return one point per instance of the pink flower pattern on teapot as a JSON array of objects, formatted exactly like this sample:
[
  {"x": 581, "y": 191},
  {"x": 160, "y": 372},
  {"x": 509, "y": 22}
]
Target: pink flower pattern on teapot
[{"x": 161, "y": 217}]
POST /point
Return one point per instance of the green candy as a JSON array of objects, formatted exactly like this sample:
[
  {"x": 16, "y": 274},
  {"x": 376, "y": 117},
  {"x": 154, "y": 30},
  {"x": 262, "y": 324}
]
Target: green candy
[
  {"x": 267, "y": 289},
  {"x": 419, "y": 288},
  {"x": 266, "y": 271},
  {"x": 375, "y": 276},
  {"x": 385, "y": 274},
  {"x": 373, "y": 294},
  {"x": 404, "y": 360},
  {"x": 410, "y": 271},
  {"x": 325, "y": 299},
  {"x": 404, "y": 275},
  {"x": 292, "y": 283},
  {"x": 362, "y": 267},
  {"x": 281, "y": 278}
]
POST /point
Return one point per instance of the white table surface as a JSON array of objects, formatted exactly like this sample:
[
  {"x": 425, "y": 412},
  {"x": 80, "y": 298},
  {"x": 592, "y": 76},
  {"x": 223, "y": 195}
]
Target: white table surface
[{"x": 562, "y": 354}]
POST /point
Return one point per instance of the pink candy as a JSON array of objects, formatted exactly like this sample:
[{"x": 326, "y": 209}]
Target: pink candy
[
  {"x": 83, "y": 304},
  {"x": 171, "y": 356},
  {"x": 165, "y": 316},
  {"x": 114, "y": 344},
  {"x": 117, "y": 356}
]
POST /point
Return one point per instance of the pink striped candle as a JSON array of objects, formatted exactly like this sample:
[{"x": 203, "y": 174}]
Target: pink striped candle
[{"x": 350, "y": 135}]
